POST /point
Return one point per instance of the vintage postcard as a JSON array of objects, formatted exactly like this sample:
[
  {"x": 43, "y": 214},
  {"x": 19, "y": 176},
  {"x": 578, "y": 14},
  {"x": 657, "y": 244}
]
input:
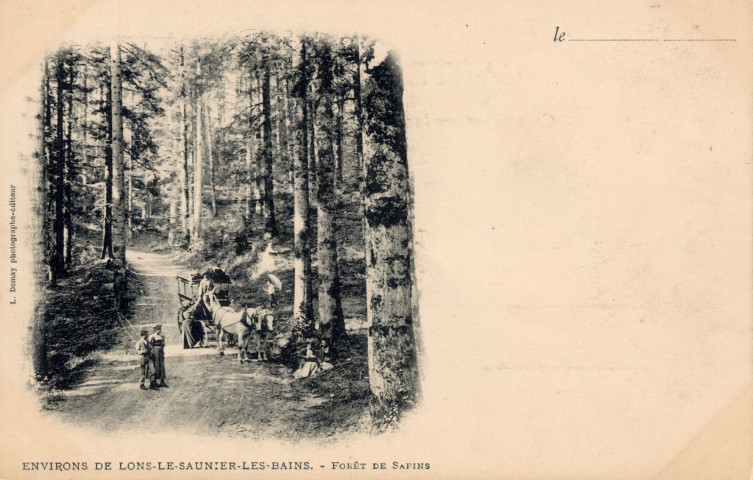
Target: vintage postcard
[{"x": 505, "y": 240}]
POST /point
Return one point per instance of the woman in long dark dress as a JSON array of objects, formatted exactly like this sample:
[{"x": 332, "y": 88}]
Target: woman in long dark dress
[{"x": 157, "y": 342}]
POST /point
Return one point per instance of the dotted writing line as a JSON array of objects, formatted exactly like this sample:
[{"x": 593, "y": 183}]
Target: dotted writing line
[
  {"x": 700, "y": 40},
  {"x": 651, "y": 40},
  {"x": 612, "y": 40}
]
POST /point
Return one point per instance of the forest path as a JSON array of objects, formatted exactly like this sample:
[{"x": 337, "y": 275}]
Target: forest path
[{"x": 207, "y": 394}]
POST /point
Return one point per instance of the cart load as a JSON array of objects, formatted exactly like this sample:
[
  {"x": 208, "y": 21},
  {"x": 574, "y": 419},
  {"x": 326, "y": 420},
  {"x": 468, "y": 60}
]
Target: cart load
[{"x": 217, "y": 275}]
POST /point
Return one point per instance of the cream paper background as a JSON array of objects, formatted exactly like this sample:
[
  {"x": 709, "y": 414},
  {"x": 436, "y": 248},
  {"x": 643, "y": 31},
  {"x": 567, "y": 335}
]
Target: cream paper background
[{"x": 583, "y": 215}]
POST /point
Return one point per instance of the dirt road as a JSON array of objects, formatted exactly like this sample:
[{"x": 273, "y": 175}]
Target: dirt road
[{"x": 207, "y": 394}]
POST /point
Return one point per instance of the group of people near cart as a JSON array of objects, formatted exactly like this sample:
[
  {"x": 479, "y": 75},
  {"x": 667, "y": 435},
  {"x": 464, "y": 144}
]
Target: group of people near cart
[{"x": 249, "y": 327}]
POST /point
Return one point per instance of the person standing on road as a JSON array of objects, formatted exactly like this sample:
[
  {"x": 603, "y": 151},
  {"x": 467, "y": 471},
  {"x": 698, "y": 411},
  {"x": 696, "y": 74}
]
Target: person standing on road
[
  {"x": 147, "y": 368},
  {"x": 271, "y": 295},
  {"x": 157, "y": 343}
]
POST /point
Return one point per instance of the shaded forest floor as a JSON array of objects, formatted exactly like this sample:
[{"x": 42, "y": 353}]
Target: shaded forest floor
[{"x": 101, "y": 385}]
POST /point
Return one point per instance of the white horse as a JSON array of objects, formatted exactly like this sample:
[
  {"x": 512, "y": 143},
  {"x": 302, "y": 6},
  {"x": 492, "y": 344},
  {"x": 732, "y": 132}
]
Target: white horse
[
  {"x": 264, "y": 323},
  {"x": 240, "y": 323}
]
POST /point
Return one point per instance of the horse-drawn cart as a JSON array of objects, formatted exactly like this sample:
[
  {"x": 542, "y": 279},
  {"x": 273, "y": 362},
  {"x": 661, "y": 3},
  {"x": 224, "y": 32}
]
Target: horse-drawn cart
[{"x": 194, "y": 320}]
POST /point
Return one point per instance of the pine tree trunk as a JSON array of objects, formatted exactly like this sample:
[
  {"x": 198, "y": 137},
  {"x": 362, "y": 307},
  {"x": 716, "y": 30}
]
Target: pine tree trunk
[
  {"x": 38, "y": 181},
  {"x": 250, "y": 158},
  {"x": 279, "y": 158},
  {"x": 393, "y": 372},
  {"x": 198, "y": 176},
  {"x": 129, "y": 212},
  {"x": 303, "y": 310},
  {"x": 331, "y": 323},
  {"x": 185, "y": 197},
  {"x": 221, "y": 140},
  {"x": 69, "y": 177},
  {"x": 417, "y": 332},
  {"x": 118, "y": 181},
  {"x": 313, "y": 162},
  {"x": 85, "y": 128},
  {"x": 191, "y": 185},
  {"x": 270, "y": 225},
  {"x": 258, "y": 155},
  {"x": 359, "y": 117},
  {"x": 173, "y": 221},
  {"x": 107, "y": 251},
  {"x": 59, "y": 222},
  {"x": 339, "y": 144},
  {"x": 49, "y": 191},
  {"x": 312, "y": 150},
  {"x": 287, "y": 115},
  {"x": 358, "y": 111},
  {"x": 211, "y": 162},
  {"x": 251, "y": 202}
]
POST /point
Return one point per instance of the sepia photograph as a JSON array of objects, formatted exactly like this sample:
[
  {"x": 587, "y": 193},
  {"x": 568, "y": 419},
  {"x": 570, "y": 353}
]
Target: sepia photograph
[{"x": 225, "y": 221}]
